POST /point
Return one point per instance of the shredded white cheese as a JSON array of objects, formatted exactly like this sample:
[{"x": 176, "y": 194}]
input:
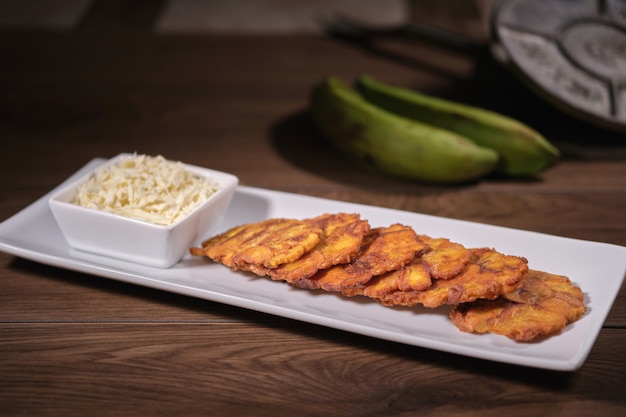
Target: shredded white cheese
[{"x": 146, "y": 188}]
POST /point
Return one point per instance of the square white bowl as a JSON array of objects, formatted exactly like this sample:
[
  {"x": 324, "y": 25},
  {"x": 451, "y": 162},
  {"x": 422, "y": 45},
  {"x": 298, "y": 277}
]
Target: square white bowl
[{"x": 138, "y": 241}]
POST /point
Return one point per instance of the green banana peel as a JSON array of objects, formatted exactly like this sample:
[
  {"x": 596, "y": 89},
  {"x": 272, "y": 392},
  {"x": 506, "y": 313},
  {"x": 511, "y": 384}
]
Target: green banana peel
[
  {"x": 522, "y": 150},
  {"x": 393, "y": 144}
]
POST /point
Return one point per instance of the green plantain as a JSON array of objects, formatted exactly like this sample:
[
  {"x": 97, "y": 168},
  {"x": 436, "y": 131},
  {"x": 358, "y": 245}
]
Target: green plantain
[
  {"x": 392, "y": 144},
  {"x": 522, "y": 150}
]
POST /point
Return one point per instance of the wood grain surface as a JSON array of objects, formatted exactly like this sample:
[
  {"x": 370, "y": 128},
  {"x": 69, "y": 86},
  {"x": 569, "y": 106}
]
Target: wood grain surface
[{"x": 76, "y": 344}]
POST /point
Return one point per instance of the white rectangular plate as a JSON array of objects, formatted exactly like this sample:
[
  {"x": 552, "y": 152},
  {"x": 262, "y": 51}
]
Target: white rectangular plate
[{"x": 598, "y": 268}]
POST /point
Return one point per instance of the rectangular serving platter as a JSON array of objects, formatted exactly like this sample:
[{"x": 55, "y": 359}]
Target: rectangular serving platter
[{"x": 598, "y": 268}]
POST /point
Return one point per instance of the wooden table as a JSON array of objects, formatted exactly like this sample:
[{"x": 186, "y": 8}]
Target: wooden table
[{"x": 76, "y": 344}]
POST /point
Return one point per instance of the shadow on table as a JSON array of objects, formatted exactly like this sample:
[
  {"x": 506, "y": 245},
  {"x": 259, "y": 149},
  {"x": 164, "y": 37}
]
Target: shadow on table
[{"x": 298, "y": 141}]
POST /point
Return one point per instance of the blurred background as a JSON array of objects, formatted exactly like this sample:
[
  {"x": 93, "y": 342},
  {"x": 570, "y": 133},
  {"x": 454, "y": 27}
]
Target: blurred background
[
  {"x": 54, "y": 42},
  {"x": 240, "y": 16}
]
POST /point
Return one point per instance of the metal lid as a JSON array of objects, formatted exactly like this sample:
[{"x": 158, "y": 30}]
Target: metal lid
[{"x": 573, "y": 52}]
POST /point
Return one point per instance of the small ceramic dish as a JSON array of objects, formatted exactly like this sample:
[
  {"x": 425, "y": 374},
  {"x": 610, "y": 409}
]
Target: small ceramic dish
[{"x": 139, "y": 241}]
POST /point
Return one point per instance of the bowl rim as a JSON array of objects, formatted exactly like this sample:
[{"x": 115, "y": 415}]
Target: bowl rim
[{"x": 227, "y": 181}]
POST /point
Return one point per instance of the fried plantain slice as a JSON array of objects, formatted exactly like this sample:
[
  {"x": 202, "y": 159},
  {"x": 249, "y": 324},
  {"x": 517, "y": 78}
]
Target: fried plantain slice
[
  {"x": 340, "y": 242},
  {"x": 268, "y": 243},
  {"x": 440, "y": 259},
  {"x": 412, "y": 277},
  {"x": 216, "y": 240},
  {"x": 488, "y": 275},
  {"x": 384, "y": 249},
  {"x": 543, "y": 305},
  {"x": 445, "y": 259}
]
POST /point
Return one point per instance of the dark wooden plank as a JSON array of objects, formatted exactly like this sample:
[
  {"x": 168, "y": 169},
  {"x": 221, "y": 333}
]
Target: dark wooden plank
[{"x": 241, "y": 369}]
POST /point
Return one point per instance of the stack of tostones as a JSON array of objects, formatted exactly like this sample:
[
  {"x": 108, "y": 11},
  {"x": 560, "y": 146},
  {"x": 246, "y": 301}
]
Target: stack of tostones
[
  {"x": 382, "y": 250},
  {"x": 395, "y": 266}
]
